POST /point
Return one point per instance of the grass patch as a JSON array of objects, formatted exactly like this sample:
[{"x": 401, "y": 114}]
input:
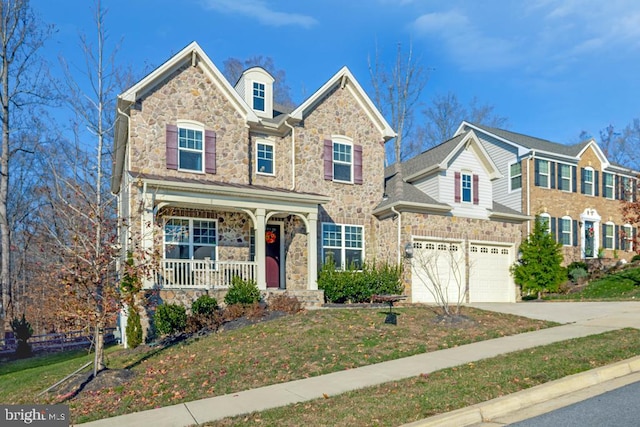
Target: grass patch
[
  {"x": 622, "y": 285},
  {"x": 409, "y": 400},
  {"x": 307, "y": 344}
]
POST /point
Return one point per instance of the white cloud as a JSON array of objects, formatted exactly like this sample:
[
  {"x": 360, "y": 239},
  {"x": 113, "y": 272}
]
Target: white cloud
[{"x": 260, "y": 10}]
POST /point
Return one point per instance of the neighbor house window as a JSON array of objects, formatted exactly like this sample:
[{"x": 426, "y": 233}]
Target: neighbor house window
[
  {"x": 565, "y": 231},
  {"x": 545, "y": 220},
  {"x": 587, "y": 181},
  {"x": 515, "y": 176},
  {"x": 342, "y": 162},
  {"x": 189, "y": 238},
  {"x": 342, "y": 244},
  {"x": 627, "y": 189},
  {"x": 190, "y": 149},
  {"x": 258, "y": 96},
  {"x": 608, "y": 185},
  {"x": 626, "y": 239},
  {"x": 466, "y": 187},
  {"x": 564, "y": 177},
  {"x": 265, "y": 158},
  {"x": 608, "y": 236},
  {"x": 542, "y": 173}
]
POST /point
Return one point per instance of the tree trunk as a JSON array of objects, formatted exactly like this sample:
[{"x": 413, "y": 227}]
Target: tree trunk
[{"x": 98, "y": 361}]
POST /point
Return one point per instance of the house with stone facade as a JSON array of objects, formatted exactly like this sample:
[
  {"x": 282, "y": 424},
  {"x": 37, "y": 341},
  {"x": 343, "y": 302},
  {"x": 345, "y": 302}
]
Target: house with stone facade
[
  {"x": 575, "y": 189},
  {"x": 219, "y": 181},
  {"x": 459, "y": 240}
]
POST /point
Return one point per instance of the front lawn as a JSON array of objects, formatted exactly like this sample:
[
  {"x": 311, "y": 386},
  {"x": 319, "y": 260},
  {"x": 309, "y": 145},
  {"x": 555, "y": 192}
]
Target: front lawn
[
  {"x": 298, "y": 346},
  {"x": 621, "y": 285}
]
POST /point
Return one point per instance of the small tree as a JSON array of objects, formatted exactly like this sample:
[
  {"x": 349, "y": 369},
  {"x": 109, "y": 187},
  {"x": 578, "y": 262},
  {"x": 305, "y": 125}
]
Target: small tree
[
  {"x": 23, "y": 331},
  {"x": 539, "y": 267}
]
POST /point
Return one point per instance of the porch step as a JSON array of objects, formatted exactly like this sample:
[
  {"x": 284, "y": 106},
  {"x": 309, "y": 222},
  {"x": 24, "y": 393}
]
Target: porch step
[{"x": 308, "y": 298}]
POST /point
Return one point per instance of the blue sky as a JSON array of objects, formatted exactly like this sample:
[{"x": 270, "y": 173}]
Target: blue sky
[{"x": 553, "y": 68}]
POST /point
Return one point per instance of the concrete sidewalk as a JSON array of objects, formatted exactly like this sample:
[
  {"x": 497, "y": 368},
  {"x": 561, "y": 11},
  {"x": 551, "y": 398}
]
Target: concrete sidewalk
[{"x": 587, "y": 319}]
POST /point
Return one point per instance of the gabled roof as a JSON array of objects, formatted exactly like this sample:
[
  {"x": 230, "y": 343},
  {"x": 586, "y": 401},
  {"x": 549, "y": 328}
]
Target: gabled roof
[
  {"x": 345, "y": 79},
  {"x": 438, "y": 157}
]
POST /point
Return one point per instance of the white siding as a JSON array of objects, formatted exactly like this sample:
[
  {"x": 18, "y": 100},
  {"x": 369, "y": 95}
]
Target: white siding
[
  {"x": 503, "y": 155},
  {"x": 467, "y": 160},
  {"x": 431, "y": 185}
]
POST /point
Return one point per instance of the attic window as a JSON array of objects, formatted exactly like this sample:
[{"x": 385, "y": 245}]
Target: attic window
[{"x": 258, "y": 96}]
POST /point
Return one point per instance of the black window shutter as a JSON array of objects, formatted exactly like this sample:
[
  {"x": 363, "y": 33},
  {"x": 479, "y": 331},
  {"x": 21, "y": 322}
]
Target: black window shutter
[
  {"x": 575, "y": 232},
  {"x": 582, "y": 180},
  {"x": 617, "y": 187},
  {"x": 603, "y": 235},
  {"x": 596, "y": 183},
  {"x": 553, "y": 228},
  {"x": 552, "y": 173},
  {"x": 537, "y": 173},
  {"x": 559, "y": 179},
  {"x": 616, "y": 236},
  {"x": 574, "y": 174}
]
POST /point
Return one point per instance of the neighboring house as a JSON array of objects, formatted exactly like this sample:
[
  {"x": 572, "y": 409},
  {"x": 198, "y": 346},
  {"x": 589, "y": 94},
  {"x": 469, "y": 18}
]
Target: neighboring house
[
  {"x": 444, "y": 206},
  {"x": 574, "y": 189},
  {"x": 219, "y": 181}
]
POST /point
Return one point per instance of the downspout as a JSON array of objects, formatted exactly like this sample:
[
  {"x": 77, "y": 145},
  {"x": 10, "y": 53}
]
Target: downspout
[
  {"x": 293, "y": 155},
  {"x": 531, "y": 156},
  {"x": 398, "y": 250}
]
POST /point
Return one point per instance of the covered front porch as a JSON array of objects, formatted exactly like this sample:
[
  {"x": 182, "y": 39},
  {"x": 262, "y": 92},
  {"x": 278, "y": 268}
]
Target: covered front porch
[{"x": 212, "y": 233}]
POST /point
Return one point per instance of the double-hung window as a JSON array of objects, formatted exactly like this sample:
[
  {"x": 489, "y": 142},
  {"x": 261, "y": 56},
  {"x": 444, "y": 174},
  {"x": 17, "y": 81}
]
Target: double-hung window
[
  {"x": 626, "y": 239},
  {"x": 265, "y": 158},
  {"x": 607, "y": 236},
  {"x": 467, "y": 187},
  {"x": 564, "y": 177},
  {"x": 190, "y": 149},
  {"x": 545, "y": 220},
  {"x": 587, "y": 181},
  {"x": 515, "y": 176},
  {"x": 258, "y": 96},
  {"x": 565, "y": 231},
  {"x": 542, "y": 173},
  {"x": 190, "y": 238},
  {"x": 608, "y": 185},
  {"x": 627, "y": 189},
  {"x": 342, "y": 162},
  {"x": 342, "y": 244}
]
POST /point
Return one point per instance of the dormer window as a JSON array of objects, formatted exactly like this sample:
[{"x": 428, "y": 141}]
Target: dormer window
[{"x": 258, "y": 96}]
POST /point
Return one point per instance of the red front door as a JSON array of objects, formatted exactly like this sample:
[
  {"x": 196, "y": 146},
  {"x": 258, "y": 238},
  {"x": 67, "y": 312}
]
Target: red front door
[{"x": 272, "y": 260}]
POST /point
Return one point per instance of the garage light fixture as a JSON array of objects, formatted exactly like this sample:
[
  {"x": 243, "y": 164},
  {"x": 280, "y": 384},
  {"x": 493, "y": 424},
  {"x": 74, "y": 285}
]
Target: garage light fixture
[{"x": 408, "y": 250}]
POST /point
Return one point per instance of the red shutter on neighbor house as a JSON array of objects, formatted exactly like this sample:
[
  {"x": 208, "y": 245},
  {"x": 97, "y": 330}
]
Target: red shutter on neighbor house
[
  {"x": 456, "y": 187},
  {"x": 328, "y": 159},
  {"x": 476, "y": 193},
  {"x": 172, "y": 146},
  {"x": 357, "y": 164},
  {"x": 209, "y": 151}
]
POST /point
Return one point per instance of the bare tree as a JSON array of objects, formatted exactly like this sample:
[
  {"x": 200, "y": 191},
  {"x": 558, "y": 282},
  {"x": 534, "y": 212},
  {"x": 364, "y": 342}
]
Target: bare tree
[
  {"x": 396, "y": 92},
  {"x": 443, "y": 271},
  {"x": 445, "y": 114},
  {"x": 21, "y": 36}
]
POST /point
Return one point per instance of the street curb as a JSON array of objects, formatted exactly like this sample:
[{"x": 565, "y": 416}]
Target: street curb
[{"x": 501, "y": 406}]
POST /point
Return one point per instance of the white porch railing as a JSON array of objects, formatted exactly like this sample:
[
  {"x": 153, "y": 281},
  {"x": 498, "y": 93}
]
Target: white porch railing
[{"x": 203, "y": 273}]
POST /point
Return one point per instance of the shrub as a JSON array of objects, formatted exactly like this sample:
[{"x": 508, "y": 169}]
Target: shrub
[
  {"x": 134, "y": 328},
  {"x": 233, "y": 311},
  {"x": 23, "y": 331},
  {"x": 204, "y": 305},
  {"x": 356, "y": 286},
  {"x": 198, "y": 322},
  {"x": 635, "y": 258},
  {"x": 578, "y": 264},
  {"x": 285, "y": 303},
  {"x": 170, "y": 319},
  {"x": 578, "y": 274},
  {"x": 242, "y": 292}
]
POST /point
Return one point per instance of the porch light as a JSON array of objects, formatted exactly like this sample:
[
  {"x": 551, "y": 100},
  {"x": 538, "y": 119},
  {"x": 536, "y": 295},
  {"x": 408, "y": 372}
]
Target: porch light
[{"x": 408, "y": 250}]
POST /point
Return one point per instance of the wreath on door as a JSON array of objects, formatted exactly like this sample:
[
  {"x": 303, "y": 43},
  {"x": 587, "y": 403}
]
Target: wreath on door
[{"x": 270, "y": 237}]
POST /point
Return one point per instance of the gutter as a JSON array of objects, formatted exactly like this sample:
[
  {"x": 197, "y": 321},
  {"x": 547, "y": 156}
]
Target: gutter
[
  {"x": 393, "y": 209},
  {"x": 293, "y": 155}
]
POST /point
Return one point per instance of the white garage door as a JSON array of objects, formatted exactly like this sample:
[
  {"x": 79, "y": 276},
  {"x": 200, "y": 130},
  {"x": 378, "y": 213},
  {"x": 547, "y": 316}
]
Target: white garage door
[
  {"x": 438, "y": 268},
  {"x": 489, "y": 277}
]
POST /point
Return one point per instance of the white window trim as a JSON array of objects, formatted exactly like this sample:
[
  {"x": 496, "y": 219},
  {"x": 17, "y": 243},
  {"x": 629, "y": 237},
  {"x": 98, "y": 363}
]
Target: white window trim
[
  {"x": 561, "y": 232},
  {"x": 192, "y": 125},
  {"x": 592, "y": 182},
  {"x": 511, "y": 189},
  {"x": 343, "y": 141},
  {"x": 628, "y": 231},
  {"x": 558, "y": 184},
  {"x": 254, "y": 96},
  {"x": 548, "y": 174},
  {"x": 462, "y": 175},
  {"x": 547, "y": 217},
  {"x": 612, "y": 187},
  {"x": 273, "y": 161},
  {"x": 190, "y": 243},
  {"x": 343, "y": 248},
  {"x": 612, "y": 236}
]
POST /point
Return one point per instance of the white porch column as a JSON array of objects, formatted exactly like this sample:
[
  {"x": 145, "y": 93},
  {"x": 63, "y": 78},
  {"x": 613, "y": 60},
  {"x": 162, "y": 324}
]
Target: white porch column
[
  {"x": 312, "y": 256},
  {"x": 261, "y": 249},
  {"x": 146, "y": 232}
]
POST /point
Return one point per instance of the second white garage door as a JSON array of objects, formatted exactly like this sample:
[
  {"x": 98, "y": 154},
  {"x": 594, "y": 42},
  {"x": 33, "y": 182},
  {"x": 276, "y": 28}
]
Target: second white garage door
[{"x": 489, "y": 276}]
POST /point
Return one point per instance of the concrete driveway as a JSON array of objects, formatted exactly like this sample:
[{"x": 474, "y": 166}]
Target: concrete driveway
[{"x": 621, "y": 314}]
